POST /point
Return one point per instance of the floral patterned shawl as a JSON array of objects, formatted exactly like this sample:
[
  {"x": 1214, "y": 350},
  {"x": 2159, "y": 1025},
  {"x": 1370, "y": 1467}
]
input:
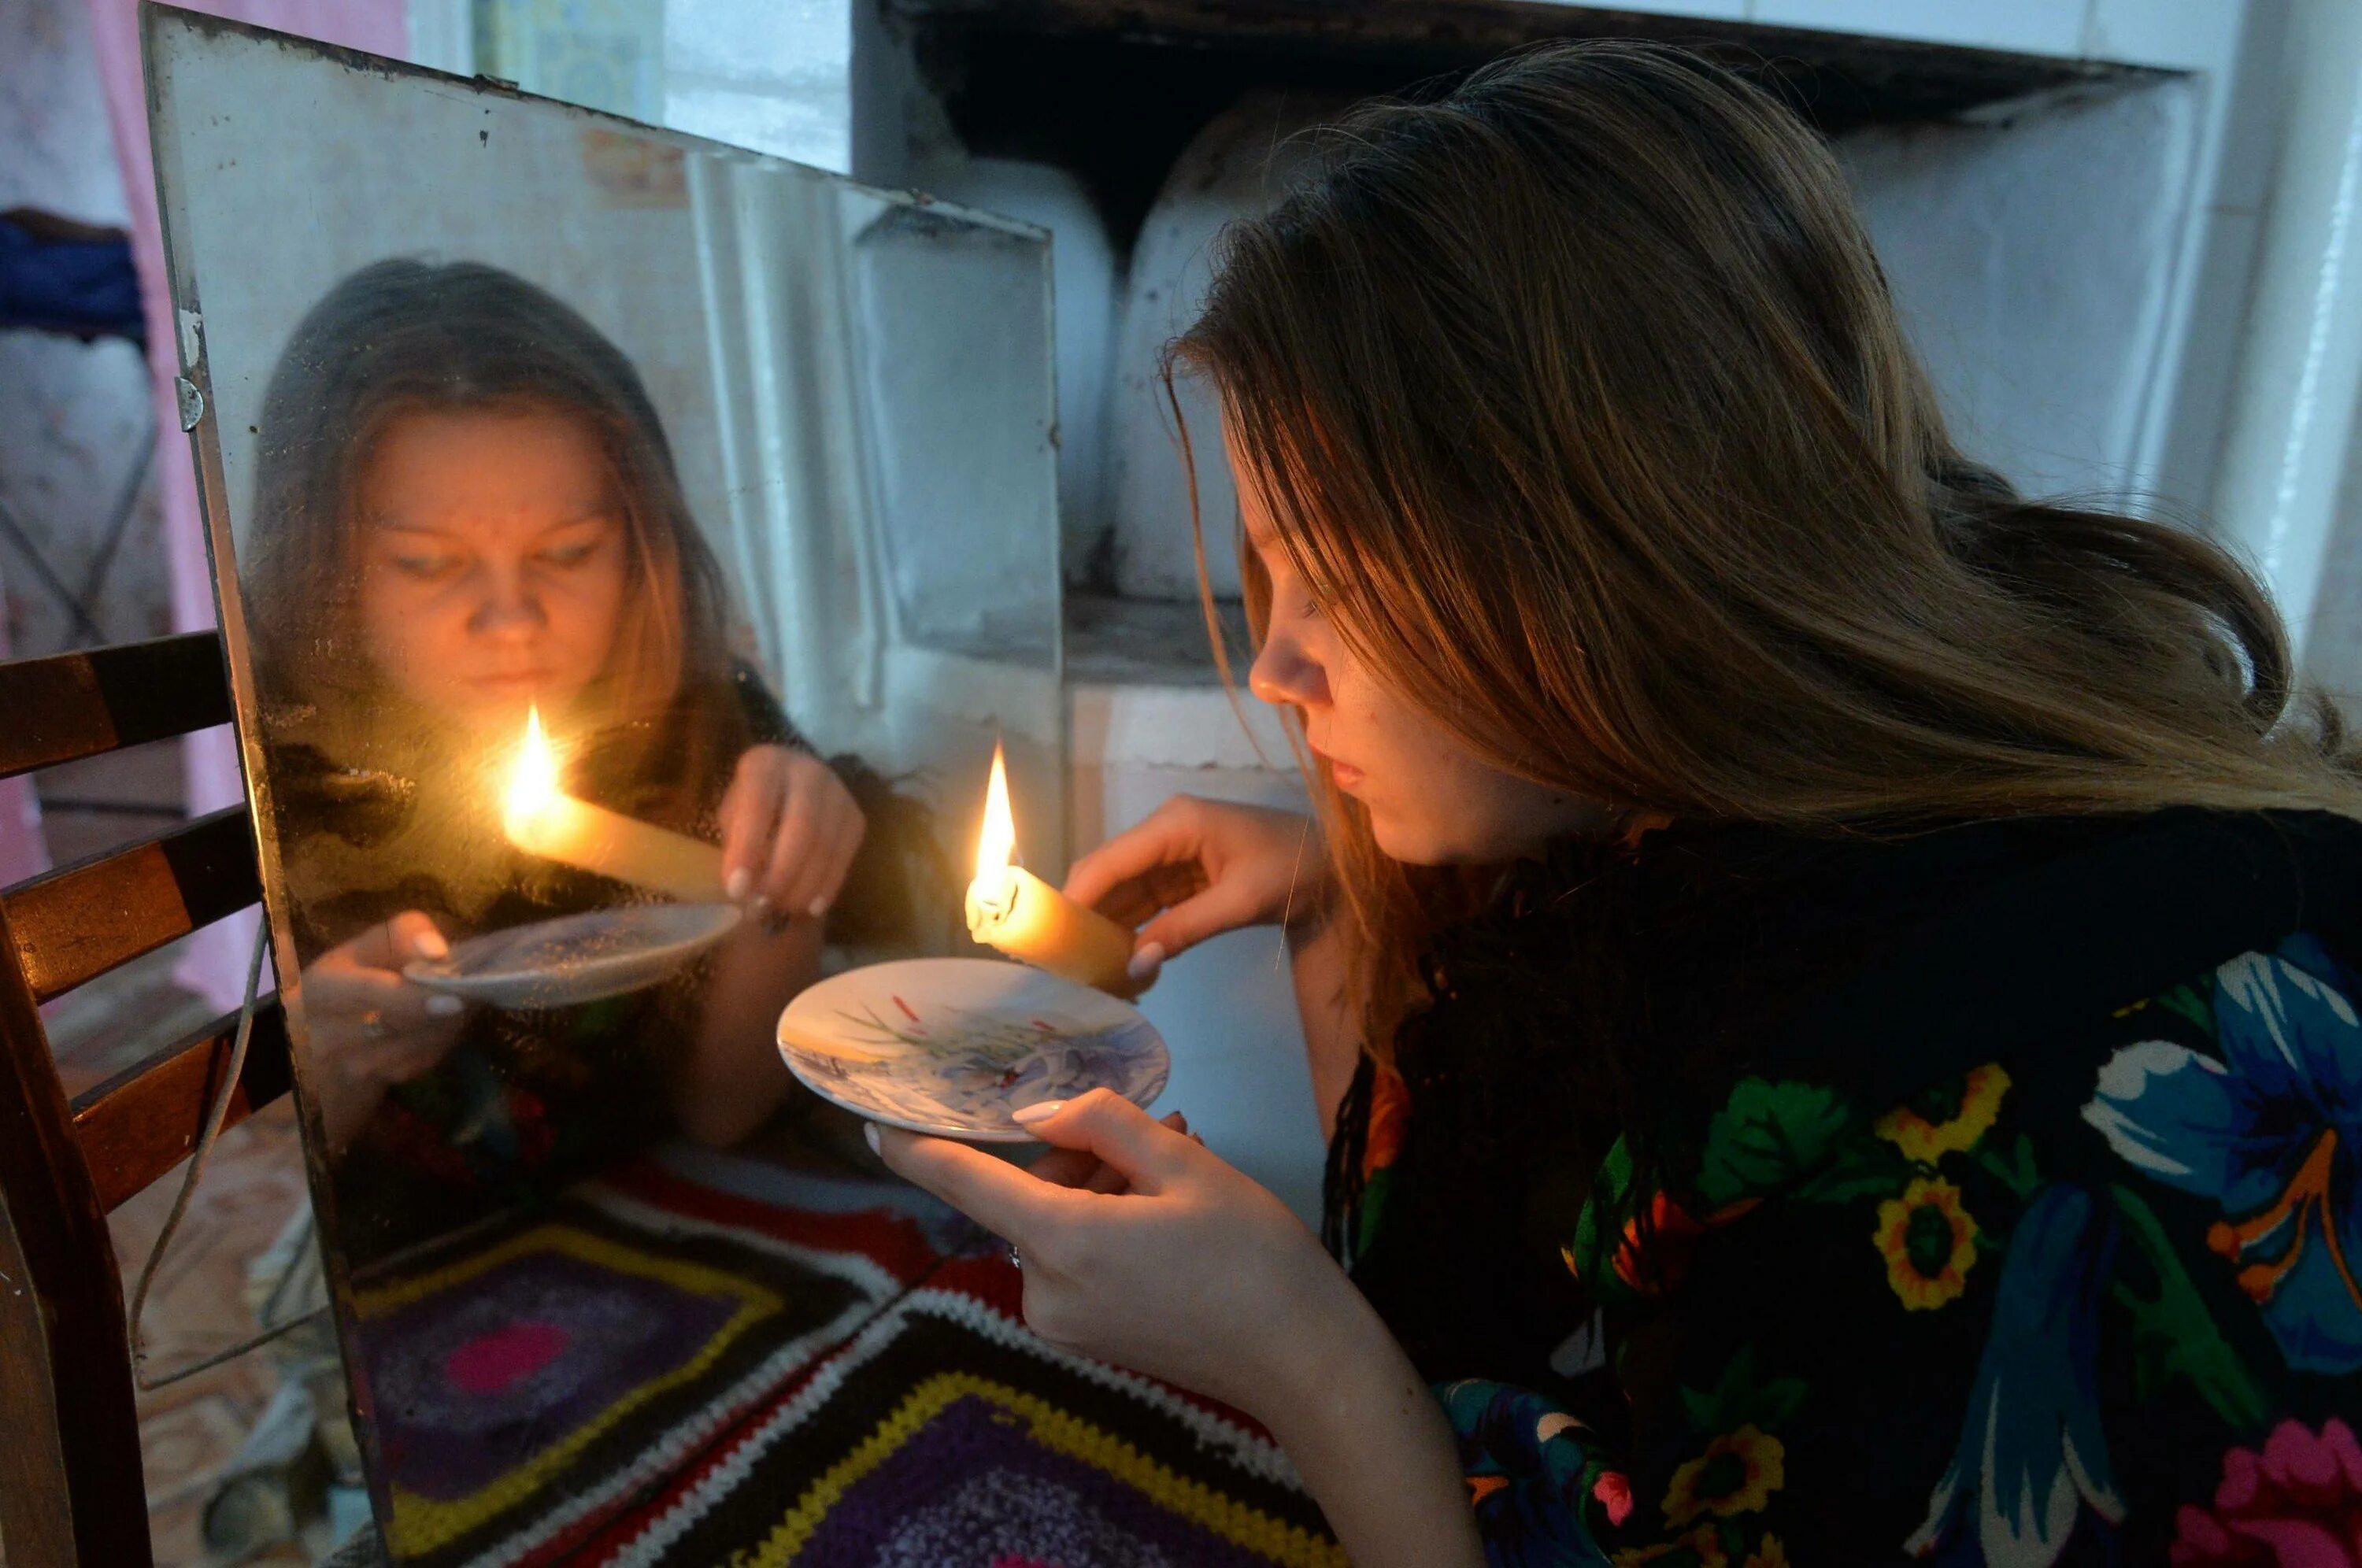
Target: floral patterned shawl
[{"x": 2013, "y": 1216}]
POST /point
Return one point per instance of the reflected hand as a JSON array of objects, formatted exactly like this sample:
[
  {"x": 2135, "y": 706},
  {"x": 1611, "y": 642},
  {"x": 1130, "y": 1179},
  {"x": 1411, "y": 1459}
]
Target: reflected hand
[
  {"x": 1194, "y": 1273},
  {"x": 790, "y": 830},
  {"x": 1196, "y": 868},
  {"x": 372, "y": 1028}
]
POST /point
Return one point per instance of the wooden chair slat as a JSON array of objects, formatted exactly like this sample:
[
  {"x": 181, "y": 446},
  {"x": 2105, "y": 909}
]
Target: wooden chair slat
[
  {"x": 84, "y": 919},
  {"x": 81, "y": 704},
  {"x": 141, "y": 1123},
  {"x": 69, "y": 1490}
]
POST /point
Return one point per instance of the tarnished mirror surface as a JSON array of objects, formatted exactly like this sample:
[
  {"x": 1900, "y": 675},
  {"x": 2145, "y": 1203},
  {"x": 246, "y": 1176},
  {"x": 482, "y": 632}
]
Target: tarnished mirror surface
[{"x": 506, "y": 409}]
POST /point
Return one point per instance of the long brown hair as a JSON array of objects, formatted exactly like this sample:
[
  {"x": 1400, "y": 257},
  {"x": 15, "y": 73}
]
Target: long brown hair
[
  {"x": 403, "y": 335},
  {"x": 1579, "y": 398}
]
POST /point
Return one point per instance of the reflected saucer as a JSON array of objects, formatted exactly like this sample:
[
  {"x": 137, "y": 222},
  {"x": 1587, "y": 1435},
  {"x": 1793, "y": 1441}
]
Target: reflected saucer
[
  {"x": 576, "y": 959},
  {"x": 952, "y": 1046}
]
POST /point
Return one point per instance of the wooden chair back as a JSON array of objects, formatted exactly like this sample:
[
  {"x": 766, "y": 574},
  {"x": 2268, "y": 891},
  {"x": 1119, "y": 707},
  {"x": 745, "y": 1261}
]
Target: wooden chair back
[{"x": 72, "y": 1494}]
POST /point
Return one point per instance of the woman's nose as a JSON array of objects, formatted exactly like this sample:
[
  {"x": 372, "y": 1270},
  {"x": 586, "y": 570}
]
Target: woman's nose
[
  {"x": 509, "y": 607},
  {"x": 1284, "y": 672}
]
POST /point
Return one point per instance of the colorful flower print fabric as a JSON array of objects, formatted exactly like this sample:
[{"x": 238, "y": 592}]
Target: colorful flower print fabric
[
  {"x": 2087, "y": 1305},
  {"x": 2267, "y": 1127}
]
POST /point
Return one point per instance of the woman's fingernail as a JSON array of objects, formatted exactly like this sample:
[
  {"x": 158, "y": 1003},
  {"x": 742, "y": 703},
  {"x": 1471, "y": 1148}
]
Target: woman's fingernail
[
  {"x": 817, "y": 907},
  {"x": 1146, "y": 962},
  {"x": 761, "y": 907},
  {"x": 740, "y": 880},
  {"x": 1034, "y": 1115},
  {"x": 431, "y": 944},
  {"x": 869, "y": 1136},
  {"x": 444, "y": 1006}
]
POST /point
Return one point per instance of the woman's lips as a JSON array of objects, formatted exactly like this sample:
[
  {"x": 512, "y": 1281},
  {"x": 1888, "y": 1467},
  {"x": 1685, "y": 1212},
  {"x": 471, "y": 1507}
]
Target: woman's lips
[{"x": 1343, "y": 774}]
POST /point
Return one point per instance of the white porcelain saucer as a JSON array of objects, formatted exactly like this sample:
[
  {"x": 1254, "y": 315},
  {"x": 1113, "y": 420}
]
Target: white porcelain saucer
[
  {"x": 952, "y": 1046},
  {"x": 576, "y": 959}
]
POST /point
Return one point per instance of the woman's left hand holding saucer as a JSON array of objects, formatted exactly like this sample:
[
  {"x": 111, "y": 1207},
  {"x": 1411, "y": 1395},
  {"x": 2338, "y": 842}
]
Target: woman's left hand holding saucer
[
  {"x": 1148, "y": 1251},
  {"x": 1192, "y": 1271},
  {"x": 1081, "y": 1168}
]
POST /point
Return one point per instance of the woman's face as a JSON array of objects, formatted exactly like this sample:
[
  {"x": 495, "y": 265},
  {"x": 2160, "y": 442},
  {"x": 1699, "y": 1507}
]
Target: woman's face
[
  {"x": 494, "y": 565},
  {"x": 1432, "y": 801}
]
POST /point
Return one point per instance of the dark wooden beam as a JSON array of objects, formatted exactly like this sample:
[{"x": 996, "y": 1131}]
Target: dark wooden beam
[
  {"x": 145, "y": 1119},
  {"x": 82, "y": 919},
  {"x": 83, "y": 704},
  {"x": 71, "y": 1493}
]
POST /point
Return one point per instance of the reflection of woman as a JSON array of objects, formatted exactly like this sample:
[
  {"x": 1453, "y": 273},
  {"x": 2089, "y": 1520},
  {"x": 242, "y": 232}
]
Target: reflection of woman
[
  {"x": 1861, "y": 969},
  {"x": 465, "y": 503}
]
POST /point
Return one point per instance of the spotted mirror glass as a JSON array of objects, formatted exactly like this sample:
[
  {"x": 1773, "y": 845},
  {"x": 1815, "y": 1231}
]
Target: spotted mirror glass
[{"x": 582, "y": 495}]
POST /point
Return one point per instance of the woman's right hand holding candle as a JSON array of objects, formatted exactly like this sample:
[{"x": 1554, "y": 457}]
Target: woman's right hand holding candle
[
  {"x": 1196, "y": 868},
  {"x": 790, "y": 830}
]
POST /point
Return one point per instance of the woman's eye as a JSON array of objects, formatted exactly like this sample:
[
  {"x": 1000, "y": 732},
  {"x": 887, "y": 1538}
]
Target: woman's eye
[
  {"x": 426, "y": 568},
  {"x": 572, "y": 554}
]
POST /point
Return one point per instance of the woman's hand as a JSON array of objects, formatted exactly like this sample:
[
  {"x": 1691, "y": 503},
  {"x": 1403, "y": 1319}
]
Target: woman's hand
[
  {"x": 790, "y": 830},
  {"x": 1189, "y": 1271},
  {"x": 1081, "y": 1168},
  {"x": 1196, "y": 1275},
  {"x": 1196, "y": 868},
  {"x": 372, "y": 1027}
]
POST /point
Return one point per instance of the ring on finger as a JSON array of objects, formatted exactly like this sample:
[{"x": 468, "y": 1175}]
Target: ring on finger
[{"x": 373, "y": 1025}]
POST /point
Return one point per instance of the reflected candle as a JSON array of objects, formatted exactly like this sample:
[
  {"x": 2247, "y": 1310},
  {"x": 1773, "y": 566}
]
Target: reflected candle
[
  {"x": 1013, "y": 910},
  {"x": 541, "y": 819}
]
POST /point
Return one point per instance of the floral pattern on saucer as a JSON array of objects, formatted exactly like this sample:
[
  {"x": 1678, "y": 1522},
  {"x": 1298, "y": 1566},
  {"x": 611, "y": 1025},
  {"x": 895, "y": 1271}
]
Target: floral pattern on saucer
[{"x": 953, "y": 1045}]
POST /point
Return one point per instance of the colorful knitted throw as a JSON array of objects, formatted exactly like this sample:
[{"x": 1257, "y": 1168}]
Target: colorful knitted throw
[{"x": 701, "y": 1359}]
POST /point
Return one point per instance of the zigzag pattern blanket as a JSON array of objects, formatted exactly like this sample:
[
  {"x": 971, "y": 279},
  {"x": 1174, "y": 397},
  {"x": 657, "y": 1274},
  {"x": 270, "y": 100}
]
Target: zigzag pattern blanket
[{"x": 702, "y": 1359}]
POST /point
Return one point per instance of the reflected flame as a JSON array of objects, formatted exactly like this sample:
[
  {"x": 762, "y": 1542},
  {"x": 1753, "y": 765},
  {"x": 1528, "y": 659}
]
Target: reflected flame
[
  {"x": 533, "y": 779},
  {"x": 996, "y": 848}
]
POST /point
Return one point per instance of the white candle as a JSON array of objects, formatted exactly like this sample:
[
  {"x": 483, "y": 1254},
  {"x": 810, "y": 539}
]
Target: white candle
[
  {"x": 541, "y": 819},
  {"x": 1011, "y": 908}
]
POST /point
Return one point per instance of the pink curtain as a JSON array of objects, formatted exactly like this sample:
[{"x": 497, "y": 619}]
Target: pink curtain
[
  {"x": 23, "y": 851},
  {"x": 216, "y": 964}
]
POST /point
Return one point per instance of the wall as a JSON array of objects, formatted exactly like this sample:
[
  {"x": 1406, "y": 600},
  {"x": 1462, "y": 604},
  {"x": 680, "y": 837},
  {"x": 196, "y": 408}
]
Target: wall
[
  {"x": 2287, "y": 491},
  {"x": 74, "y": 417},
  {"x": 773, "y": 76},
  {"x": 2030, "y": 258},
  {"x": 1227, "y": 1009}
]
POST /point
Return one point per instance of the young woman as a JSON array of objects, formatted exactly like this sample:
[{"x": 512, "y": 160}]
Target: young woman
[
  {"x": 1833, "y": 981},
  {"x": 466, "y": 506}
]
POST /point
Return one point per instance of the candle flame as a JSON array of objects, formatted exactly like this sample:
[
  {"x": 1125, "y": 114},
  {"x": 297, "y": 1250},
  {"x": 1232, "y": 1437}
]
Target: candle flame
[
  {"x": 533, "y": 779},
  {"x": 996, "y": 848}
]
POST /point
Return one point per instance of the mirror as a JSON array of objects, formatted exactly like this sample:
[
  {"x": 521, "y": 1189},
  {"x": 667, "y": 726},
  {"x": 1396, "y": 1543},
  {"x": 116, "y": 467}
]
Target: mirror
[{"x": 519, "y": 425}]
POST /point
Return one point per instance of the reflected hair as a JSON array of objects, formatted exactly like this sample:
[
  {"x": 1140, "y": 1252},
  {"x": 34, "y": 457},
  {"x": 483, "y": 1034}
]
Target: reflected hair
[
  {"x": 1582, "y": 407},
  {"x": 404, "y": 337}
]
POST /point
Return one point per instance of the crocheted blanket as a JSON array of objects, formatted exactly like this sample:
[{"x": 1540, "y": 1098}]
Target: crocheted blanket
[{"x": 700, "y": 1359}]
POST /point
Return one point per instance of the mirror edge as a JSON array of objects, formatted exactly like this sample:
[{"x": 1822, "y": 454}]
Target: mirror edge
[{"x": 158, "y": 24}]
